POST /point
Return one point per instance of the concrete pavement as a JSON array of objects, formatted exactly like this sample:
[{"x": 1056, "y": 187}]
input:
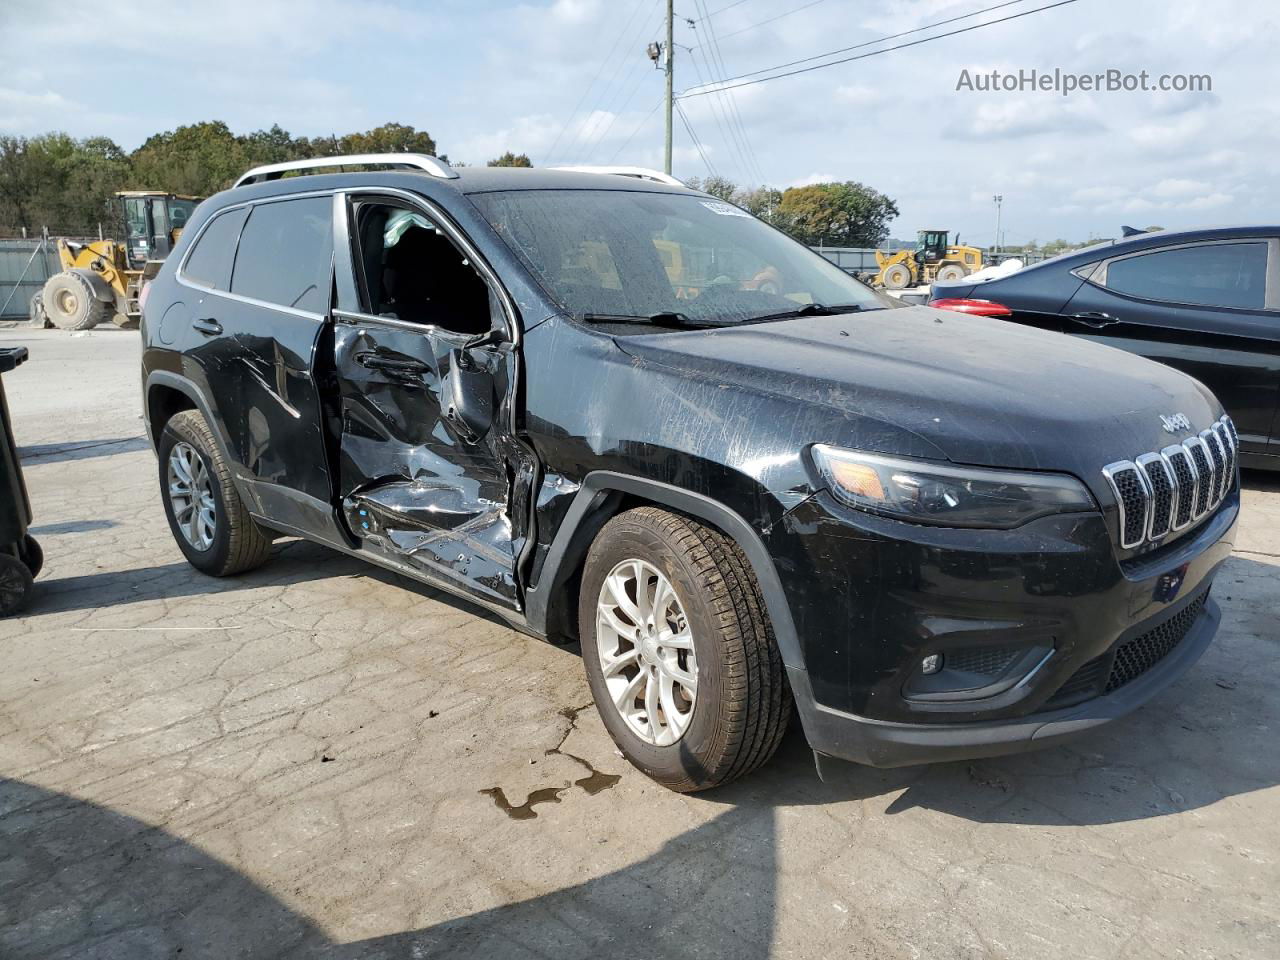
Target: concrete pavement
[{"x": 322, "y": 759}]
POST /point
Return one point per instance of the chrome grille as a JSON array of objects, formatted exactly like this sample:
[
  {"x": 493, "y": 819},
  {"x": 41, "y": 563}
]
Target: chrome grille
[{"x": 1161, "y": 492}]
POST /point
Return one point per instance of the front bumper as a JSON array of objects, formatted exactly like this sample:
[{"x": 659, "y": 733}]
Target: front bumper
[
  {"x": 872, "y": 598},
  {"x": 880, "y": 743}
]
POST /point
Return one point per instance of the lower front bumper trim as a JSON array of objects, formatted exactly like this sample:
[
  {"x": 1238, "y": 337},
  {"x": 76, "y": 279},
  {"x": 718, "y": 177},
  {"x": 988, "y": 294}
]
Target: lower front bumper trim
[{"x": 880, "y": 743}]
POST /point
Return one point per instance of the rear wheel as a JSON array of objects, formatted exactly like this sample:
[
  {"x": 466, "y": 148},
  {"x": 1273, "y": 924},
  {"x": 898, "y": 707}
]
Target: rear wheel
[
  {"x": 950, "y": 272},
  {"x": 206, "y": 515},
  {"x": 897, "y": 277},
  {"x": 69, "y": 301},
  {"x": 679, "y": 651}
]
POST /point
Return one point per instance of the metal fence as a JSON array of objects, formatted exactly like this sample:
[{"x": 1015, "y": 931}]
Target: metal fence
[{"x": 24, "y": 267}]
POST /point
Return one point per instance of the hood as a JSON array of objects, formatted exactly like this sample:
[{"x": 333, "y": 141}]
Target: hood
[{"x": 979, "y": 390}]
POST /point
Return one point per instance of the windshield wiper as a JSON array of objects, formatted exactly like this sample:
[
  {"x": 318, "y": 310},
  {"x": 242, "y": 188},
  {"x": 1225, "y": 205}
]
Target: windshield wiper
[
  {"x": 663, "y": 318},
  {"x": 809, "y": 310}
]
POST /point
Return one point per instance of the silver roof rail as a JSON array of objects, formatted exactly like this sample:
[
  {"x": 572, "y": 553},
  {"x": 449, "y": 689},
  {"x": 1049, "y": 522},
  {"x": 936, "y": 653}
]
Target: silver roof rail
[
  {"x": 413, "y": 161},
  {"x": 640, "y": 173}
]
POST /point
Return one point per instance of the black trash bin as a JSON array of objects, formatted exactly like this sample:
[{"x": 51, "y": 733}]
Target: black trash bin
[{"x": 20, "y": 555}]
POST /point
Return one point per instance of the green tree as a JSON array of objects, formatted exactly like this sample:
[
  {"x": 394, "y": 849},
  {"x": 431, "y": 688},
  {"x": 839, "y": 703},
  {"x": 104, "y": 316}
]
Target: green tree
[
  {"x": 845, "y": 214},
  {"x": 389, "y": 138},
  {"x": 198, "y": 159},
  {"x": 510, "y": 159},
  {"x": 762, "y": 202},
  {"x": 57, "y": 181},
  {"x": 719, "y": 187}
]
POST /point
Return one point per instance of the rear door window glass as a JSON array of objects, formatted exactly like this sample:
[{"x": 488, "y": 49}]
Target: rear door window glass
[
  {"x": 286, "y": 254},
  {"x": 1211, "y": 274},
  {"x": 209, "y": 263}
]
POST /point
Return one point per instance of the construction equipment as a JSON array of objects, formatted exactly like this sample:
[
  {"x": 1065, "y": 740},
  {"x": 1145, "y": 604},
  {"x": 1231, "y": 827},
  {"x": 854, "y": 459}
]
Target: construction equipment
[
  {"x": 101, "y": 280},
  {"x": 935, "y": 258}
]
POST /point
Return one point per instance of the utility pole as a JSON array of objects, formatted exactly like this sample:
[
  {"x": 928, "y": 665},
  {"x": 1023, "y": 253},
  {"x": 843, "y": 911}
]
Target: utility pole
[
  {"x": 671, "y": 52},
  {"x": 999, "y": 199}
]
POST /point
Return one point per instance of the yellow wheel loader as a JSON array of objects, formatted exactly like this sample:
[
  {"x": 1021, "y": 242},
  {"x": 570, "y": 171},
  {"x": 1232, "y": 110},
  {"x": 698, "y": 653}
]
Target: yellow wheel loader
[
  {"x": 935, "y": 258},
  {"x": 101, "y": 280}
]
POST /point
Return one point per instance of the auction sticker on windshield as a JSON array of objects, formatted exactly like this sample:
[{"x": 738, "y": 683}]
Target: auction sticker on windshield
[{"x": 724, "y": 209}]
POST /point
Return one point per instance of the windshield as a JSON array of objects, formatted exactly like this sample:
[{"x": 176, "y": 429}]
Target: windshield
[{"x": 615, "y": 253}]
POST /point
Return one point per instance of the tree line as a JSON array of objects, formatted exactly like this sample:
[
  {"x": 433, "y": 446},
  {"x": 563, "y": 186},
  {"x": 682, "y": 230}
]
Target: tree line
[
  {"x": 66, "y": 184},
  {"x": 840, "y": 214}
]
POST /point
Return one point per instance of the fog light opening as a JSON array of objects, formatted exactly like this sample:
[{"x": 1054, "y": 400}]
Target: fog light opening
[{"x": 931, "y": 664}]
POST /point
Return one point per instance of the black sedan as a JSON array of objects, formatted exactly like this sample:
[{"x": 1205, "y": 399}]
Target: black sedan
[{"x": 1204, "y": 301}]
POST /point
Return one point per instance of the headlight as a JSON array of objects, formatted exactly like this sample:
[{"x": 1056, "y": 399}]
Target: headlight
[{"x": 925, "y": 492}]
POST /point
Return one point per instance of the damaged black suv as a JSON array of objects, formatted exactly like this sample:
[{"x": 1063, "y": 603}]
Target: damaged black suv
[{"x": 618, "y": 411}]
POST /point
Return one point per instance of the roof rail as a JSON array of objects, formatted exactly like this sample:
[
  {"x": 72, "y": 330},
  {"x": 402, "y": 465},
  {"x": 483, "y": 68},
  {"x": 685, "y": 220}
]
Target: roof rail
[
  {"x": 414, "y": 161},
  {"x": 640, "y": 173}
]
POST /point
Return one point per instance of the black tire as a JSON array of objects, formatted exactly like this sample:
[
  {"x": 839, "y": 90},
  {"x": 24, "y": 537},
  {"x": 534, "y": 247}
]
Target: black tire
[
  {"x": 32, "y": 555},
  {"x": 743, "y": 702},
  {"x": 15, "y": 585},
  {"x": 238, "y": 543},
  {"x": 68, "y": 300}
]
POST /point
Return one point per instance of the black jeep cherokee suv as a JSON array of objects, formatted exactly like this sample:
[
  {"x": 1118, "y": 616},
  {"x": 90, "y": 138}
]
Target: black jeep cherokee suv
[{"x": 616, "y": 410}]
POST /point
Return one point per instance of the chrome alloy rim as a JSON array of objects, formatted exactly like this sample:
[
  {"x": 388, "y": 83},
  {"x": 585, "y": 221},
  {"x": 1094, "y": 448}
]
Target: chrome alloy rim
[
  {"x": 646, "y": 652},
  {"x": 191, "y": 495}
]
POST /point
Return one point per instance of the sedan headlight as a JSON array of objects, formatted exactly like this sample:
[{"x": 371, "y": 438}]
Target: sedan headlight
[{"x": 926, "y": 492}]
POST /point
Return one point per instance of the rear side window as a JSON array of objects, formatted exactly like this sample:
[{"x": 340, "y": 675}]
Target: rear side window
[
  {"x": 1212, "y": 274},
  {"x": 286, "y": 254},
  {"x": 209, "y": 263}
]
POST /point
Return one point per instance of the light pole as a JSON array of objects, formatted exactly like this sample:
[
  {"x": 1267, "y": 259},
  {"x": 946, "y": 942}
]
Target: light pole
[{"x": 999, "y": 199}]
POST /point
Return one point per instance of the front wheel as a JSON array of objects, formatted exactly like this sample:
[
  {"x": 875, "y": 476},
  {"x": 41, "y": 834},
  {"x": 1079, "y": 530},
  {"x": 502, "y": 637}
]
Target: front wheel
[
  {"x": 208, "y": 520},
  {"x": 679, "y": 651},
  {"x": 69, "y": 301}
]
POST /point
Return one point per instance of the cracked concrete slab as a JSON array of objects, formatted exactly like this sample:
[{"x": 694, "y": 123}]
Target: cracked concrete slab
[{"x": 313, "y": 761}]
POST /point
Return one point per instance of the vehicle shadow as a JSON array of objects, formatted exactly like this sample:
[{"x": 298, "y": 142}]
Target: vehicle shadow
[
  {"x": 63, "y": 452},
  {"x": 1264, "y": 480},
  {"x": 292, "y": 561},
  {"x": 80, "y": 880}
]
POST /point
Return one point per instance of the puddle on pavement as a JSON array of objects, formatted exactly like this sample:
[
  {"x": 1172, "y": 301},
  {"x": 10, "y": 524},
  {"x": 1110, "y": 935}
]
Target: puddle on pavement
[
  {"x": 594, "y": 782},
  {"x": 525, "y": 811}
]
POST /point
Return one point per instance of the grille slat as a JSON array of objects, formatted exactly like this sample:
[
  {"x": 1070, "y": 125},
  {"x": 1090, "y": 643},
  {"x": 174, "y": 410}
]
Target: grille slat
[
  {"x": 1158, "y": 493},
  {"x": 1204, "y": 471},
  {"x": 1185, "y": 480},
  {"x": 1160, "y": 483}
]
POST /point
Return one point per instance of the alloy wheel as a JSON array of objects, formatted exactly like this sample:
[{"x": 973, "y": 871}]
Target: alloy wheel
[
  {"x": 646, "y": 652},
  {"x": 191, "y": 495}
]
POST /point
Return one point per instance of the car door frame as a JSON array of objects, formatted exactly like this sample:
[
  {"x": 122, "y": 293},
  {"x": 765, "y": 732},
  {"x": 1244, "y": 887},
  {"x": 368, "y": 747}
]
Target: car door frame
[
  {"x": 348, "y": 297},
  {"x": 1095, "y": 275},
  {"x": 281, "y": 507}
]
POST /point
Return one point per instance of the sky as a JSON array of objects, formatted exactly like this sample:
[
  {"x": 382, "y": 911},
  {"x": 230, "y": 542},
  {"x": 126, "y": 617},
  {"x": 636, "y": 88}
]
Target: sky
[{"x": 568, "y": 81}]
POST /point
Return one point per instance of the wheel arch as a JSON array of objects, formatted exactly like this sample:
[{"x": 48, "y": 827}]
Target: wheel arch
[
  {"x": 605, "y": 494},
  {"x": 169, "y": 393}
]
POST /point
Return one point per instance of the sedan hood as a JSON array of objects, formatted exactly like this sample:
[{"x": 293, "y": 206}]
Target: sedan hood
[{"x": 977, "y": 390}]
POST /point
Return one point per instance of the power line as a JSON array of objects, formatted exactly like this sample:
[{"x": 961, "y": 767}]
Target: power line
[
  {"x": 892, "y": 36},
  {"x": 588, "y": 134},
  {"x": 599, "y": 70},
  {"x": 806, "y": 6},
  {"x": 864, "y": 56},
  {"x": 632, "y": 135},
  {"x": 694, "y": 137},
  {"x": 718, "y": 110},
  {"x": 713, "y": 56},
  {"x": 708, "y": 16}
]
